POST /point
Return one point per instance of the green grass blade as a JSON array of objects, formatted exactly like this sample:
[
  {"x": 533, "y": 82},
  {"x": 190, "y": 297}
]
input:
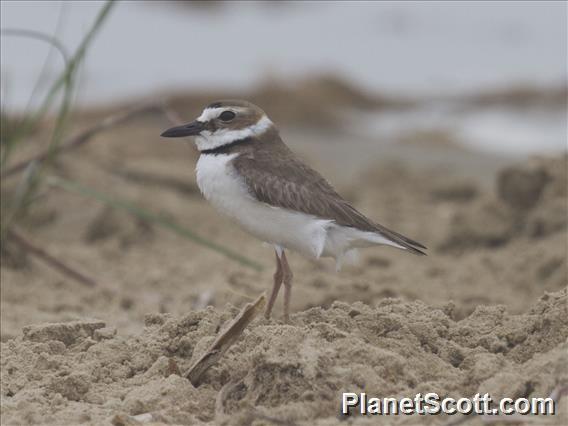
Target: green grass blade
[
  {"x": 153, "y": 218},
  {"x": 64, "y": 86},
  {"x": 65, "y": 81},
  {"x": 38, "y": 35}
]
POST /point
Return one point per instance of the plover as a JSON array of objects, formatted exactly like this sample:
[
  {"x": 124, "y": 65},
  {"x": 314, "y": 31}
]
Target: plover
[{"x": 247, "y": 172}]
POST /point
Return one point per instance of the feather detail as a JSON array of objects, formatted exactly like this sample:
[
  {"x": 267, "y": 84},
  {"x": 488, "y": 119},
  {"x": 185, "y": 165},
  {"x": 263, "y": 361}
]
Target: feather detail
[{"x": 275, "y": 176}]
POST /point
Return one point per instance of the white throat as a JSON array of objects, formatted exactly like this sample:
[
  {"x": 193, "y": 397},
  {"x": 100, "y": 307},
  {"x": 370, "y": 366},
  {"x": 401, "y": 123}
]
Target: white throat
[{"x": 211, "y": 140}]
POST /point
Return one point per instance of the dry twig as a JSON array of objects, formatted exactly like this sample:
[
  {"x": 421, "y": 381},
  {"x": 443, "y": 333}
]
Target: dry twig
[
  {"x": 225, "y": 340},
  {"x": 85, "y": 136},
  {"x": 40, "y": 253}
]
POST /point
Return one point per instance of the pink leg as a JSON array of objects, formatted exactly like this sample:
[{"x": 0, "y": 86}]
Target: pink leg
[
  {"x": 278, "y": 275},
  {"x": 287, "y": 280}
]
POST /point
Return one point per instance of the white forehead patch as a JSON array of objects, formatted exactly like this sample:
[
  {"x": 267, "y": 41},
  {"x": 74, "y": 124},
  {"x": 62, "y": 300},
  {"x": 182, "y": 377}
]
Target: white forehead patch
[
  {"x": 210, "y": 114},
  {"x": 211, "y": 140}
]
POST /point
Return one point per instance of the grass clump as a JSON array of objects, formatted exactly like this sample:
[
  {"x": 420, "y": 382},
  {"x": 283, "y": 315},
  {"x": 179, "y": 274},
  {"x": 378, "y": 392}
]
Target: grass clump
[{"x": 56, "y": 107}]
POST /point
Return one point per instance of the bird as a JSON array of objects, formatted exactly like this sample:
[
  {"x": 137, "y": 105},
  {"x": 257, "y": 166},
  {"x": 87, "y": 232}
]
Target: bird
[{"x": 248, "y": 173}]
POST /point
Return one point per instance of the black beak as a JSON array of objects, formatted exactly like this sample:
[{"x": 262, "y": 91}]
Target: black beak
[{"x": 192, "y": 129}]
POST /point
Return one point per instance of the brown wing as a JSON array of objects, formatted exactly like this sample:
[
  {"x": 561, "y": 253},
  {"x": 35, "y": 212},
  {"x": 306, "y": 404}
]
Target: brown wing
[{"x": 276, "y": 177}]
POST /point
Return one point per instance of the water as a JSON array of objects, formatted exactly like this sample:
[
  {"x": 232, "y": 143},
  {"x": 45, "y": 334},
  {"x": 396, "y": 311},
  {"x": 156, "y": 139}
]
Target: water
[
  {"x": 403, "y": 48},
  {"x": 499, "y": 130}
]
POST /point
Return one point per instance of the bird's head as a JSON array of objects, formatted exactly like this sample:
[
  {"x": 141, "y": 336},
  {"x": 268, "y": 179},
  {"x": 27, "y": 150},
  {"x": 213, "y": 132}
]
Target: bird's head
[{"x": 222, "y": 123}]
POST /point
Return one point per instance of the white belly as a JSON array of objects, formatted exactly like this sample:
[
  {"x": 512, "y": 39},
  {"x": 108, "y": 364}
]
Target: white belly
[
  {"x": 309, "y": 235},
  {"x": 222, "y": 187}
]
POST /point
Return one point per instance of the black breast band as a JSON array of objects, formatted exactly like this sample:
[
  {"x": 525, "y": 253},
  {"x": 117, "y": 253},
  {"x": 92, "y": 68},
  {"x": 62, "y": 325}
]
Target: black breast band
[{"x": 227, "y": 148}]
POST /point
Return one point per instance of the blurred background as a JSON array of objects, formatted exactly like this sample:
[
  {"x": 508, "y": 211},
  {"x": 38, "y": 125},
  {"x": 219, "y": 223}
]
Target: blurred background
[
  {"x": 443, "y": 120},
  {"x": 396, "y": 49}
]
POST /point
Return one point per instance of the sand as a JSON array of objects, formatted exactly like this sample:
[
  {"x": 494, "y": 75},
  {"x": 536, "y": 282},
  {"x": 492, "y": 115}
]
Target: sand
[
  {"x": 486, "y": 311},
  {"x": 82, "y": 372}
]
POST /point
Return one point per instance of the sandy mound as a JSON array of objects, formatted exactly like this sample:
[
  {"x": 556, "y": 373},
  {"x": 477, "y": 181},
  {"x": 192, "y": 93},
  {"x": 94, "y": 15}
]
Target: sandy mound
[
  {"x": 81, "y": 372},
  {"x": 530, "y": 201}
]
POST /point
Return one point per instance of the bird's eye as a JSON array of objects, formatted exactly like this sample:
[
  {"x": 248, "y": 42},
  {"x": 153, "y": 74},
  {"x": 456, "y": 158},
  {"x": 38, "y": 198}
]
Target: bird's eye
[{"x": 227, "y": 115}]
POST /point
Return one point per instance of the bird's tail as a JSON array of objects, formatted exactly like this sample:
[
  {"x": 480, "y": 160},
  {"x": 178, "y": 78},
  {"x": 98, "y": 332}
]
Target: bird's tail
[{"x": 402, "y": 242}]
